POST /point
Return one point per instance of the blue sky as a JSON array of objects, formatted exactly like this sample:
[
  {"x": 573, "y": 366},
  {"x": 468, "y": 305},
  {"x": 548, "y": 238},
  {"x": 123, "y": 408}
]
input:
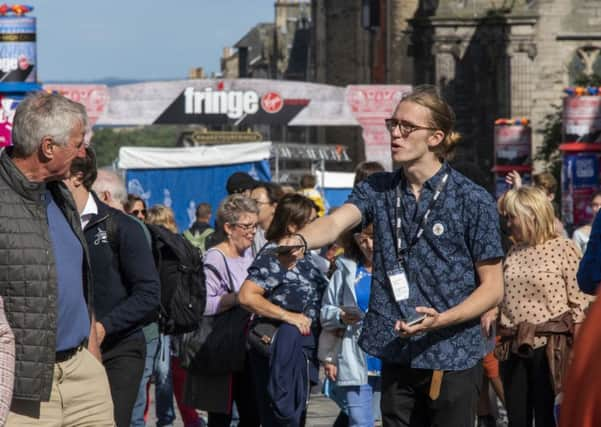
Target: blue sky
[{"x": 138, "y": 39}]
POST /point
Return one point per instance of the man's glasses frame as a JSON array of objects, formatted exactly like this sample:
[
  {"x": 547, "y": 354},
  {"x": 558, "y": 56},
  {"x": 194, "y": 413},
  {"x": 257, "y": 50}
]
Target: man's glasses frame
[{"x": 406, "y": 128}]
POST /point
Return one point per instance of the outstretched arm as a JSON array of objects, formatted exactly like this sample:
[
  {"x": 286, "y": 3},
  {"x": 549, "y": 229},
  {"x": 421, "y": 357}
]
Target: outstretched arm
[{"x": 325, "y": 230}]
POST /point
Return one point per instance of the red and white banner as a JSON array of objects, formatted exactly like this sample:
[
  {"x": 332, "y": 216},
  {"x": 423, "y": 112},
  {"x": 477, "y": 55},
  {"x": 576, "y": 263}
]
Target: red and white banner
[
  {"x": 513, "y": 145},
  {"x": 581, "y": 118},
  {"x": 371, "y": 105},
  {"x": 94, "y": 97}
]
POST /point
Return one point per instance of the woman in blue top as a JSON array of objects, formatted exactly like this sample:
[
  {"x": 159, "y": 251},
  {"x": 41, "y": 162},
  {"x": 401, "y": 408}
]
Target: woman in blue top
[{"x": 356, "y": 374}]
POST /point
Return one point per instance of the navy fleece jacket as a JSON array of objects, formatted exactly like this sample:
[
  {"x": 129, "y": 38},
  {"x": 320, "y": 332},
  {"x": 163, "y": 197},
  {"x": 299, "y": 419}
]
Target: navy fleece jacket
[{"x": 126, "y": 282}]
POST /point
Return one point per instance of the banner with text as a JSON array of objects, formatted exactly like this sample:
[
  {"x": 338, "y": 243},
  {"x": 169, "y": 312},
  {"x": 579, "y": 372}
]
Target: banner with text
[{"x": 371, "y": 105}]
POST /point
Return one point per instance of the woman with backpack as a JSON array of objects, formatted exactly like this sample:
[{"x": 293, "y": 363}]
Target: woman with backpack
[
  {"x": 225, "y": 268},
  {"x": 170, "y": 377},
  {"x": 287, "y": 304}
]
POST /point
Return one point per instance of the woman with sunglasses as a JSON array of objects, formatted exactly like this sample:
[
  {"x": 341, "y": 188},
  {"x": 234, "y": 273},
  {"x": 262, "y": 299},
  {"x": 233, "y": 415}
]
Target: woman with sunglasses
[
  {"x": 290, "y": 299},
  {"x": 356, "y": 374},
  {"x": 135, "y": 206},
  {"x": 225, "y": 268}
]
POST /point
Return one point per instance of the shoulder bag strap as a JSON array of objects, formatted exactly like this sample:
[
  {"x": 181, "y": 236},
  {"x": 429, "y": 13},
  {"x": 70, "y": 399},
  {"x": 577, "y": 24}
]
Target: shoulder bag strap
[{"x": 227, "y": 268}]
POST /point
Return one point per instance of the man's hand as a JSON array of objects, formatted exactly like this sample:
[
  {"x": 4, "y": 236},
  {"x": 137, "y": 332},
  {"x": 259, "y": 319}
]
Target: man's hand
[
  {"x": 487, "y": 320},
  {"x": 100, "y": 333},
  {"x": 330, "y": 371},
  {"x": 431, "y": 322}
]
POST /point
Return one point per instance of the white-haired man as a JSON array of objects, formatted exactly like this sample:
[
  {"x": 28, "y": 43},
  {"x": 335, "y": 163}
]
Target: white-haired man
[{"x": 44, "y": 271}]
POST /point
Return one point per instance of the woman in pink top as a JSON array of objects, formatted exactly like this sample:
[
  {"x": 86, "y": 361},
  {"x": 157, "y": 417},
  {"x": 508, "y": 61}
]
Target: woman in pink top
[{"x": 225, "y": 271}]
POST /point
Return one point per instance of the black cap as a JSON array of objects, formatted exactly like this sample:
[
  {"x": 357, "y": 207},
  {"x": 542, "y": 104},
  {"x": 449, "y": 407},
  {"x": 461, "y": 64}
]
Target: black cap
[{"x": 238, "y": 182}]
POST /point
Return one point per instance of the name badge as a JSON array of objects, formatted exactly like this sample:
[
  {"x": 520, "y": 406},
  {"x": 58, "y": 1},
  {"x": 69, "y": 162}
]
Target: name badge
[{"x": 400, "y": 285}]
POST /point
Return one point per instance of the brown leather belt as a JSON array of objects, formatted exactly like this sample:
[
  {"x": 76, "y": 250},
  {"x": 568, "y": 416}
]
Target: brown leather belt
[{"x": 64, "y": 355}]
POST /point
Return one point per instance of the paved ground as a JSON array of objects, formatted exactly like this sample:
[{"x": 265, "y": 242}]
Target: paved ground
[{"x": 322, "y": 412}]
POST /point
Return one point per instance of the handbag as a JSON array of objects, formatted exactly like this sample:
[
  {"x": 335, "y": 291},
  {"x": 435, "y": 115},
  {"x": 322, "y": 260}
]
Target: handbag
[
  {"x": 261, "y": 335},
  {"x": 218, "y": 345}
]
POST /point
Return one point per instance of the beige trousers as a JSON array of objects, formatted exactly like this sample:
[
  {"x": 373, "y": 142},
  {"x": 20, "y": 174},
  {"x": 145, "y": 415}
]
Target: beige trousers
[{"x": 80, "y": 397}]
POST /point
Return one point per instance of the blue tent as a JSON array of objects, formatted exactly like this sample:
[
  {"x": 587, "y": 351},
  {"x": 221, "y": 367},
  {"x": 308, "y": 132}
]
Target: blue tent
[
  {"x": 181, "y": 178},
  {"x": 337, "y": 186}
]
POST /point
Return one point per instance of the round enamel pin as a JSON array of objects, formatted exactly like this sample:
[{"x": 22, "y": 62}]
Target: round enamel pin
[{"x": 438, "y": 229}]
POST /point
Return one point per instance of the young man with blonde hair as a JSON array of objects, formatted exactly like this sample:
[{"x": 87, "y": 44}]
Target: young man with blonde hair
[{"x": 437, "y": 268}]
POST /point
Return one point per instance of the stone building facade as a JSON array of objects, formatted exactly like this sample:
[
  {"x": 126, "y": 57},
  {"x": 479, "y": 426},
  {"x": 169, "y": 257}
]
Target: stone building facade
[
  {"x": 273, "y": 50},
  {"x": 490, "y": 58}
]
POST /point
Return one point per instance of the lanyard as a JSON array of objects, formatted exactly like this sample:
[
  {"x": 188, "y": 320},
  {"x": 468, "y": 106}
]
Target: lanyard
[{"x": 403, "y": 250}]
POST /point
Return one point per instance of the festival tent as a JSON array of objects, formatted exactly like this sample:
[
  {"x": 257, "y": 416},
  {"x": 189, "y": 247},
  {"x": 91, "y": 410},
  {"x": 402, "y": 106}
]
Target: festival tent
[
  {"x": 181, "y": 178},
  {"x": 335, "y": 186}
]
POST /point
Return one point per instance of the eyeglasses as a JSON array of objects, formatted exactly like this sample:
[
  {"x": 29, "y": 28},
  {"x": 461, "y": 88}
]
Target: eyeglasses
[
  {"x": 406, "y": 128},
  {"x": 246, "y": 227},
  {"x": 137, "y": 212}
]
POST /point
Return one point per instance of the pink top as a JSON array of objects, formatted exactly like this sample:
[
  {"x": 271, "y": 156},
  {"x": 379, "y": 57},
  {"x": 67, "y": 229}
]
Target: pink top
[
  {"x": 7, "y": 365},
  {"x": 218, "y": 285}
]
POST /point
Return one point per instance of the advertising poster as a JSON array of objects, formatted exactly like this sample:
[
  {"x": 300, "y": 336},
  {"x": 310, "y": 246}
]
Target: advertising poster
[
  {"x": 580, "y": 179},
  {"x": 94, "y": 97},
  {"x": 8, "y": 106},
  {"x": 18, "y": 49},
  {"x": 513, "y": 145},
  {"x": 371, "y": 105},
  {"x": 582, "y": 119}
]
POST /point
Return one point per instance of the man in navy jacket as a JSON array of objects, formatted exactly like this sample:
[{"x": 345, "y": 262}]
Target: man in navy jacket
[{"x": 126, "y": 286}]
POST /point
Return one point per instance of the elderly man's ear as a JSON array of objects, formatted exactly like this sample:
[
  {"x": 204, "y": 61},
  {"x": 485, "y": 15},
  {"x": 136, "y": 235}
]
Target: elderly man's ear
[{"x": 46, "y": 149}]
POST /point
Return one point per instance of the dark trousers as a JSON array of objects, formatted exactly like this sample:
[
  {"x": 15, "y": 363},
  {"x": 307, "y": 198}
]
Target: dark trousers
[
  {"x": 260, "y": 368},
  {"x": 406, "y": 402},
  {"x": 124, "y": 364},
  {"x": 243, "y": 393},
  {"x": 528, "y": 390}
]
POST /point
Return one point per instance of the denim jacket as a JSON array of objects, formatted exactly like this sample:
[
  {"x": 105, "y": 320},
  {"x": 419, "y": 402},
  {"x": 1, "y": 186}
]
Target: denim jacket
[{"x": 351, "y": 360}]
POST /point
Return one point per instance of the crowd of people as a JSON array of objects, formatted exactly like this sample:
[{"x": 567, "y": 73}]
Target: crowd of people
[{"x": 411, "y": 297}]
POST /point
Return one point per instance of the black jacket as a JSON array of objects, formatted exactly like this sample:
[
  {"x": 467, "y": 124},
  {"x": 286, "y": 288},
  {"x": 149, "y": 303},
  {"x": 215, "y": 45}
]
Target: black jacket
[
  {"x": 126, "y": 282},
  {"x": 28, "y": 282}
]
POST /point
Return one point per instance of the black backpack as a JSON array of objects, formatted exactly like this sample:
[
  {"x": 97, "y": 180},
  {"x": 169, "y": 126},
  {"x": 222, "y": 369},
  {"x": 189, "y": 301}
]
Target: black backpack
[{"x": 183, "y": 292}]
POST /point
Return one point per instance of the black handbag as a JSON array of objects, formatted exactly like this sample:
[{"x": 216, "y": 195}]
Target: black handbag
[
  {"x": 218, "y": 346},
  {"x": 261, "y": 335}
]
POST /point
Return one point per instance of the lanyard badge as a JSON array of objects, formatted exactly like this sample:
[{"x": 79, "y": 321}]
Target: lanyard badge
[{"x": 398, "y": 277}]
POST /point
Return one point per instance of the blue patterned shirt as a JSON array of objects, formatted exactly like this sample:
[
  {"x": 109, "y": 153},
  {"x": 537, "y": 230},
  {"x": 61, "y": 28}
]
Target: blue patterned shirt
[
  {"x": 299, "y": 289},
  {"x": 462, "y": 229}
]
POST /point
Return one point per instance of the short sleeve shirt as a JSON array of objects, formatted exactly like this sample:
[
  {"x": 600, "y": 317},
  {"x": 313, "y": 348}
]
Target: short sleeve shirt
[
  {"x": 462, "y": 229},
  {"x": 299, "y": 289}
]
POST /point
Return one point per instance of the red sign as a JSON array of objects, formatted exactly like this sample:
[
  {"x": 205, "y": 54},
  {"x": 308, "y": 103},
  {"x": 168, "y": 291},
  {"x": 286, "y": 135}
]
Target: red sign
[
  {"x": 371, "y": 105},
  {"x": 94, "y": 97},
  {"x": 582, "y": 118},
  {"x": 513, "y": 145},
  {"x": 272, "y": 102}
]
